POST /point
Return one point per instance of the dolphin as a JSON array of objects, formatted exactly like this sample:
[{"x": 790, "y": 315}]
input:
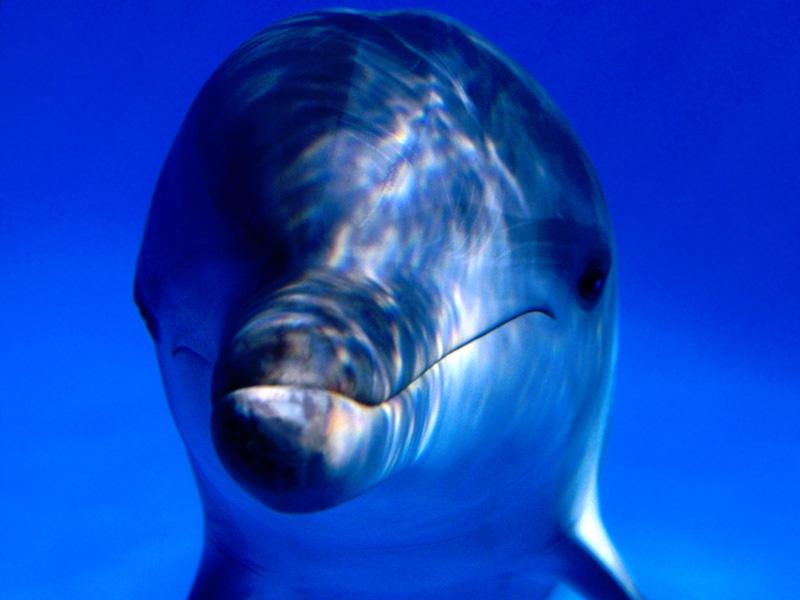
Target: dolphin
[{"x": 378, "y": 269}]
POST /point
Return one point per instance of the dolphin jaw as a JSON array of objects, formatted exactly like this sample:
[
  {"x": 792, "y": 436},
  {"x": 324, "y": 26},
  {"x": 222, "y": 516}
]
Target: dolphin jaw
[{"x": 299, "y": 449}]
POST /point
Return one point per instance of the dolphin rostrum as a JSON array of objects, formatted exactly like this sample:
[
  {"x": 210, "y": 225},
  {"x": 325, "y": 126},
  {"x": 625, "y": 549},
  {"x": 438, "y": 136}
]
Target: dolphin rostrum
[{"x": 379, "y": 273}]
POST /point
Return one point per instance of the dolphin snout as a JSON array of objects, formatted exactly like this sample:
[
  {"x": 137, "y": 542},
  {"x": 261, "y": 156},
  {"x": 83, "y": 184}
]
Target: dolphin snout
[
  {"x": 352, "y": 336},
  {"x": 291, "y": 418},
  {"x": 303, "y": 415}
]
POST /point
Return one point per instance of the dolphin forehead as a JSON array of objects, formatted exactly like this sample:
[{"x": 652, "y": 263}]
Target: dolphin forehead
[{"x": 388, "y": 139}]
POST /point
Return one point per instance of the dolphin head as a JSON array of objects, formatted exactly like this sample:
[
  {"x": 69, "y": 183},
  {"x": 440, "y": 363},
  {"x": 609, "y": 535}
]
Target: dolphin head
[{"x": 377, "y": 250}]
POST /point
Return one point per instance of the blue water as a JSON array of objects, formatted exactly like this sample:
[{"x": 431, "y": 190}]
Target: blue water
[{"x": 689, "y": 112}]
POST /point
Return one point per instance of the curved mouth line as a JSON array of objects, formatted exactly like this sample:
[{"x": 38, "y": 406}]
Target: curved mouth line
[{"x": 541, "y": 311}]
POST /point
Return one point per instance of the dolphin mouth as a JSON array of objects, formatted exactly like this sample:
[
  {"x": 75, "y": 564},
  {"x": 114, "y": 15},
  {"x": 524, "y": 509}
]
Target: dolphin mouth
[{"x": 304, "y": 449}]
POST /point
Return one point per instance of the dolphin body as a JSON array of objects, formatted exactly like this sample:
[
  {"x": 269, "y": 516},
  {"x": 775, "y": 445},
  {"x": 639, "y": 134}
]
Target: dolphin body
[{"x": 378, "y": 270}]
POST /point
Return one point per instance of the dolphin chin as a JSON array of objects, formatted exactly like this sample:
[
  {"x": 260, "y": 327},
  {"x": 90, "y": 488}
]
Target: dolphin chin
[
  {"x": 300, "y": 449},
  {"x": 305, "y": 449}
]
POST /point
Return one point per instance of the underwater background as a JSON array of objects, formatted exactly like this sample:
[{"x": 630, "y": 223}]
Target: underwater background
[{"x": 690, "y": 112}]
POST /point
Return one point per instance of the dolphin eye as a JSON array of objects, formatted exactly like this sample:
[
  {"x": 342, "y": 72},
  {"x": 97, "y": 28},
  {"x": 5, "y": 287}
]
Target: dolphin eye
[{"x": 592, "y": 281}]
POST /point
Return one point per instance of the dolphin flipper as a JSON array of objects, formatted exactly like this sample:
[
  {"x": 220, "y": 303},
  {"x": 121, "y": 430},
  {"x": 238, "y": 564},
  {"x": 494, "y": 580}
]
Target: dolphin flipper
[{"x": 593, "y": 577}]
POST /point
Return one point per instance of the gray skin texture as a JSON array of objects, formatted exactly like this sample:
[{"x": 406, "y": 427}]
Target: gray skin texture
[{"x": 379, "y": 272}]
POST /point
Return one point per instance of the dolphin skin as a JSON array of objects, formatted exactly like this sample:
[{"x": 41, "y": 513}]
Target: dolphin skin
[{"x": 379, "y": 273}]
